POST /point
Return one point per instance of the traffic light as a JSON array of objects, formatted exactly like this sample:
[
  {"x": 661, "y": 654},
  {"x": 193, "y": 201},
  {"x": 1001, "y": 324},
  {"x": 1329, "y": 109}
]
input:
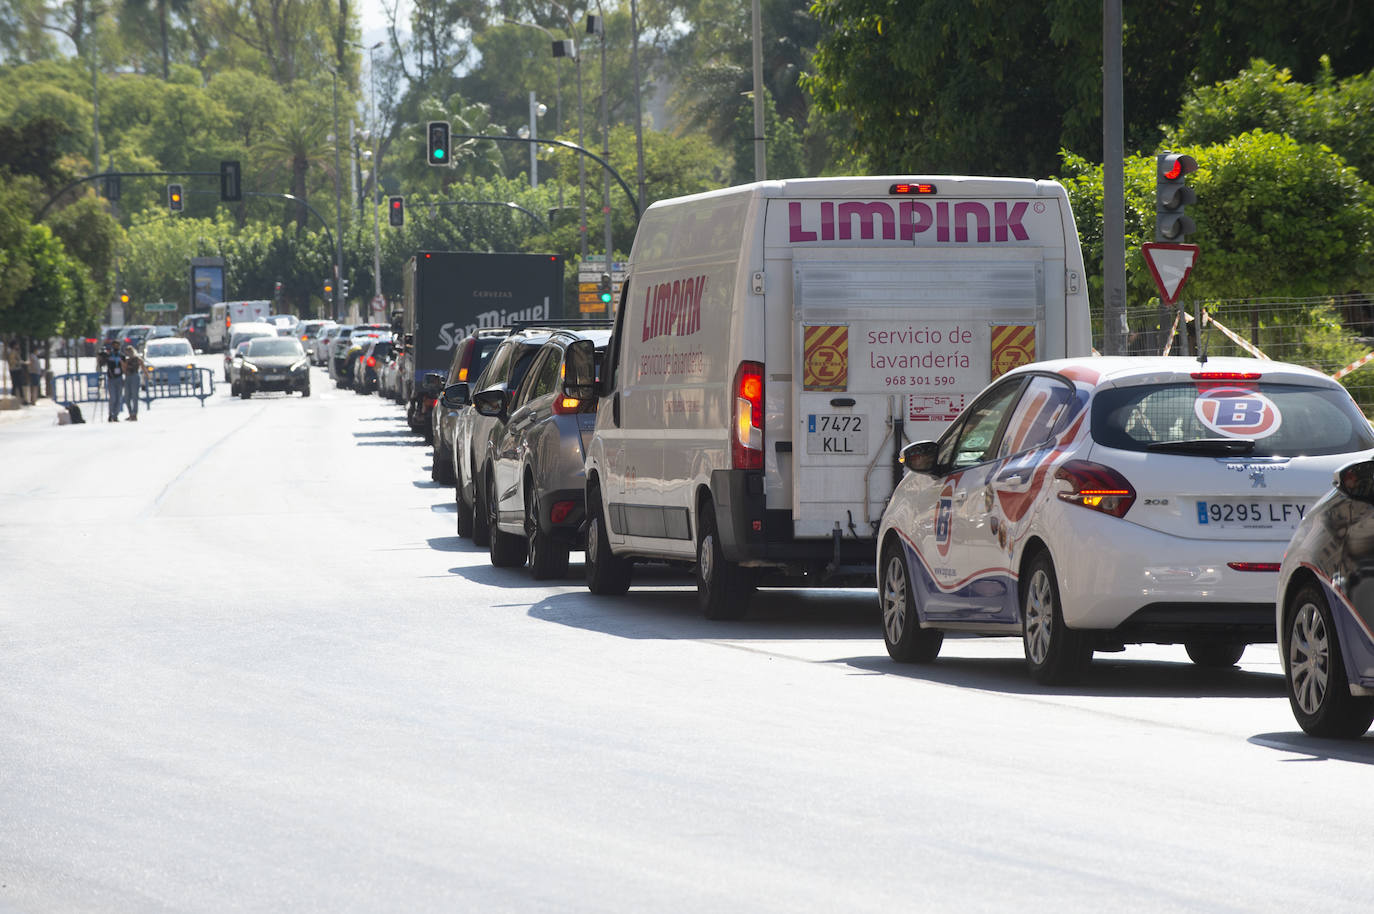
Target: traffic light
[
  {"x": 112, "y": 187},
  {"x": 329, "y": 289},
  {"x": 343, "y": 286},
  {"x": 174, "y": 198},
  {"x": 1172, "y": 196},
  {"x": 230, "y": 185},
  {"x": 396, "y": 214},
  {"x": 438, "y": 143},
  {"x": 604, "y": 287},
  {"x": 124, "y": 297}
]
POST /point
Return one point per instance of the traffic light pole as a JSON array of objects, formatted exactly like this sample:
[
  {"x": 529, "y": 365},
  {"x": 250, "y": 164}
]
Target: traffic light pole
[
  {"x": 1114, "y": 328},
  {"x": 634, "y": 201},
  {"x": 532, "y": 215},
  {"x": 120, "y": 174}
]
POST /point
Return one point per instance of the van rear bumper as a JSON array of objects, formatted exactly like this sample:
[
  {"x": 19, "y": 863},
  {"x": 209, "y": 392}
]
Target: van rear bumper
[{"x": 752, "y": 534}]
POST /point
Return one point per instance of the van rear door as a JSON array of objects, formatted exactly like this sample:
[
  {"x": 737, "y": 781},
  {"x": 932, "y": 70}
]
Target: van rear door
[{"x": 890, "y": 345}]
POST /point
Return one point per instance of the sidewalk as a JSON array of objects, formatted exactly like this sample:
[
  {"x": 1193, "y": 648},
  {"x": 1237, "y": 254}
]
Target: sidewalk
[{"x": 44, "y": 410}]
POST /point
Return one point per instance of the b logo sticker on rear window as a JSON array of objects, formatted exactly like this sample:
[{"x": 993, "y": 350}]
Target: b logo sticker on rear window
[{"x": 1237, "y": 412}]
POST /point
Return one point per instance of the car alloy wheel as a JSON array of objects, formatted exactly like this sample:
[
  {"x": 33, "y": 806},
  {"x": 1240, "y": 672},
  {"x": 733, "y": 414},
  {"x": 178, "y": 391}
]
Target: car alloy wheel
[
  {"x": 1318, "y": 690},
  {"x": 906, "y": 641},
  {"x": 1055, "y": 653},
  {"x": 548, "y": 557}
]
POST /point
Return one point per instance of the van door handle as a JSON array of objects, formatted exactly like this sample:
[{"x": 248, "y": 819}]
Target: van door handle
[{"x": 615, "y": 409}]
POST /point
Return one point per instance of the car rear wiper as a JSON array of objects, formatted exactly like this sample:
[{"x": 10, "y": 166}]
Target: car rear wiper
[{"x": 1220, "y": 447}]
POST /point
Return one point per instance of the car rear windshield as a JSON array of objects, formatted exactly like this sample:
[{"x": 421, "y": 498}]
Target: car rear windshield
[
  {"x": 275, "y": 345},
  {"x": 169, "y": 347},
  {"x": 1283, "y": 420}
]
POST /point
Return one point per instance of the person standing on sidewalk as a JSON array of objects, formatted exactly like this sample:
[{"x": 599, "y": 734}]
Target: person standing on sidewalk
[
  {"x": 134, "y": 369},
  {"x": 35, "y": 374},
  {"x": 111, "y": 362}
]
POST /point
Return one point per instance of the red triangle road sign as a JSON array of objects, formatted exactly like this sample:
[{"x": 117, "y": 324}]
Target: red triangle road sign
[{"x": 1170, "y": 265}]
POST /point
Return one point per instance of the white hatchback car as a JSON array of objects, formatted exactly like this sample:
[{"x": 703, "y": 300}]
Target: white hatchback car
[{"x": 1090, "y": 503}]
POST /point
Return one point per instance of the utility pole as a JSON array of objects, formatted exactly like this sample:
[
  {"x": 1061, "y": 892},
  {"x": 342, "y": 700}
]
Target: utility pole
[
  {"x": 760, "y": 162},
  {"x": 1114, "y": 331},
  {"x": 338, "y": 209}
]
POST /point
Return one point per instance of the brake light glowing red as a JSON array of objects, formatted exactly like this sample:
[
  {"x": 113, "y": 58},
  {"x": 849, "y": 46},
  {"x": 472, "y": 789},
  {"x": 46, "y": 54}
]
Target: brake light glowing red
[
  {"x": 1253, "y": 566},
  {"x": 565, "y": 405},
  {"x": 561, "y": 510},
  {"x": 1092, "y": 485},
  {"x": 371, "y": 361},
  {"x": 746, "y": 442},
  {"x": 1226, "y": 376},
  {"x": 911, "y": 189}
]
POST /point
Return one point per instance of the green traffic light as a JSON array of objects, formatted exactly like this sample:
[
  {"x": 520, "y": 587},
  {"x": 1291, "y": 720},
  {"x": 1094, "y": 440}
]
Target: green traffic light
[
  {"x": 438, "y": 153},
  {"x": 605, "y": 298}
]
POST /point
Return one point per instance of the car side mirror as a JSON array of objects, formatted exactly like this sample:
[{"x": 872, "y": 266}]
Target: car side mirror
[
  {"x": 919, "y": 456},
  {"x": 579, "y": 370},
  {"x": 490, "y": 402},
  {"x": 1357, "y": 481},
  {"x": 432, "y": 383},
  {"x": 456, "y": 396}
]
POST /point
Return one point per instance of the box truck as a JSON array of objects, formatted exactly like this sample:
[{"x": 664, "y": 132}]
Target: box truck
[
  {"x": 450, "y": 294},
  {"x": 776, "y": 345}
]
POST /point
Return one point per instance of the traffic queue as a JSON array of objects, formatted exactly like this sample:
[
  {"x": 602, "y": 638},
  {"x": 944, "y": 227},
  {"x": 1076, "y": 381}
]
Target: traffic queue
[{"x": 849, "y": 381}]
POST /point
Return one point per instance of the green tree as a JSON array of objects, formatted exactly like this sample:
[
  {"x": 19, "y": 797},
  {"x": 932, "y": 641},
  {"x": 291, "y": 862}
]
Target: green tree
[{"x": 49, "y": 299}]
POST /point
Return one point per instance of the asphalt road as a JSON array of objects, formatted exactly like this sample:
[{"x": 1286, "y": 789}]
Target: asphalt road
[{"x": 245, "y": 665}]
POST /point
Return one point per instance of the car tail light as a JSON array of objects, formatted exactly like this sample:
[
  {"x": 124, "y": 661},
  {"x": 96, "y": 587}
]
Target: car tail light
[
  {"x": 1253, "y": 566},
  {"x": 561, "y": 510},
  {"x": 1095, "y": 486},
  {"x": 465, "y": 362},
  {"x": 746, "y": 443},
  {"x": 371, "y": 361},
  {"x": 565, "y": 405}
]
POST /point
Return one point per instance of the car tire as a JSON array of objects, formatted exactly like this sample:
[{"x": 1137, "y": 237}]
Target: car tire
[
  {"x": 463, "y": 511},
  {"x": 233, "y": 389},
  {"x": 1314, "y": 670},
  {"x": 508, "y": 550},
  {"x": 906, "y": 641},
  {"x": 245, "y": 392},
  {"x": 442, "y": 468},
  {"x": 305, "y": 391},
  {"x": 1214, "y": 655},
  {"x": 481, "y": 533},
  {"x": 548, "y": 557},
  {"x": 1055, "y": 653},
  {"x": 723, "y": 587},
  {"x": 607, "y": 574}
]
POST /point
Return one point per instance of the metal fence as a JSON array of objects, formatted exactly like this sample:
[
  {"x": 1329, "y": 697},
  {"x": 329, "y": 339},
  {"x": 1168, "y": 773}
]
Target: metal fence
[
  {"x": 1333, "y": 334},
  {"x": 160, "y": 384}
]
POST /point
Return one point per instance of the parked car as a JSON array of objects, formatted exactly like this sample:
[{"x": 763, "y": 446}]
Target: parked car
[
  {"x": 192, "y": 326},
  {"x": 161, "y": 332},
  {"x": 242, "y": 333},
  {"x": 475, "y": 435},
  {"x": 470, "y": 355},
  {"x": 274, "y": 363},
  {"x": 1325, "y": 611},
  {"x": 340, "y": 364},
  {"x": 285, "y": 323},
  {"x": 536, "y": 502},
  {"x": 320, "y": 351},
  {"x": 308, "y": 332},
  {"x": 369, "y": 359},
  {"x": 389, "y": 374},
  {"x": 1092, "y": 503}
]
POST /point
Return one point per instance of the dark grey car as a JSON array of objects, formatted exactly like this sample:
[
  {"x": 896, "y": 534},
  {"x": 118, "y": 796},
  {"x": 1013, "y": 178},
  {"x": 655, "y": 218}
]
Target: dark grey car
[
  {"x": 535, "y": 503},
  {"x": 274, "y": 363}
]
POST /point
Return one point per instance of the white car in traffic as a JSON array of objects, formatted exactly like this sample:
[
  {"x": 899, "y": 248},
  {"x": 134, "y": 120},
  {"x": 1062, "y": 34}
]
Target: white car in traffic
[{"x": 1085, "y": 504}]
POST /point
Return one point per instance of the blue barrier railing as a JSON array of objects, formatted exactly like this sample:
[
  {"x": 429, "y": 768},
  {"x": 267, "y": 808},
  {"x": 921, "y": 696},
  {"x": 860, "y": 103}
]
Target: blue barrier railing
[{"x": 159, "y": 384}]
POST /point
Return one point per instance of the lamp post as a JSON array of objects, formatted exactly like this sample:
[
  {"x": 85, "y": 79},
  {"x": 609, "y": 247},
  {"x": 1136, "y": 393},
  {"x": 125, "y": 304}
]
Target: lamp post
[
  {"x": 596, "y": 25},
  {"x": 567, "y": 47},
  {"x": 338, "y": 206},
  {"x": 537, "y": 110},
  {"x": 376, "y": 177}
]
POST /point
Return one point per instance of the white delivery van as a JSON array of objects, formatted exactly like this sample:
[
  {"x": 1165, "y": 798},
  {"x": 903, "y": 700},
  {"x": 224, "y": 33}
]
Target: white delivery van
[
  {"x": 777, "y": 344},
  {"x": 224, "y": 314}
]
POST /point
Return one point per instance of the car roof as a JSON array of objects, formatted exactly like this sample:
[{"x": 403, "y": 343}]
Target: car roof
[{"x": 1113, "y": 371}]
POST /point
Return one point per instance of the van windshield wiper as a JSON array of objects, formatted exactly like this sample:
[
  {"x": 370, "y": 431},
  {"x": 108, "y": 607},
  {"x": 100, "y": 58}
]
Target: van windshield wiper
[{"x": 1221, "y": 447}]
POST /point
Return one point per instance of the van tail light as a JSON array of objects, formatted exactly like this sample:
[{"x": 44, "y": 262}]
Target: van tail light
[
  {"x": 566, "y": 405},
  {"x": 1095, "y": 486},
  {"x": 746, "y": 440}
]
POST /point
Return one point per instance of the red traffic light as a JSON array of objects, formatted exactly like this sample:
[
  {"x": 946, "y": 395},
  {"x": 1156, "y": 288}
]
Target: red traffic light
[{"x": 1175, "y": 165}]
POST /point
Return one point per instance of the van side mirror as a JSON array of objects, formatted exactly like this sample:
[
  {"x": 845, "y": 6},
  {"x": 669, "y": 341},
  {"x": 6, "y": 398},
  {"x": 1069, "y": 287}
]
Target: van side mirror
[
  {"x": 456, "y": 396},
  {"x": 1357, "y": 481},
  {"x": 579, "y": 370},
  {"x": 490, "y": 402},
  {"x": 919, "y": 456}
]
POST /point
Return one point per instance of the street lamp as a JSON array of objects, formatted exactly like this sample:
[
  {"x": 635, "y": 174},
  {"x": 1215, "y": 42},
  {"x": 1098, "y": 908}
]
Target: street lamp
[
  {"x": 376, "y": 176},
  {"x": 338, "y": 206},
  {"x": 537, "y": 110},
  {"x": 596, "y": 25},
  {"x": 567, "y": 47}
]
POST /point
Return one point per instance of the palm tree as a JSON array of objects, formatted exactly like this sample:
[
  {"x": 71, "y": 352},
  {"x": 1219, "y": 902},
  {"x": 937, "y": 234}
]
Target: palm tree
[{"x": 294, "y": 147}]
